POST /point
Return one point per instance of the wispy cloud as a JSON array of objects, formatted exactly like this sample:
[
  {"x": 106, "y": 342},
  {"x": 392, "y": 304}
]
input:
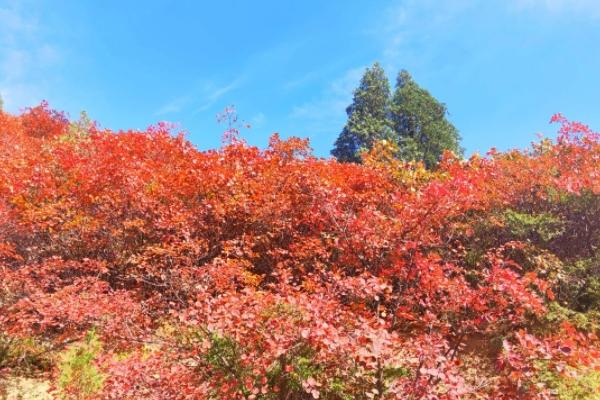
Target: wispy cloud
[
  {"x": 409, "y": 31},
  {"x": 217, "y": 93},
  {"x": 303, "y": 80},
  {"x": 203, "y": 97},
  {"x": 25, "y": 58},
  {"x": 258, "y": 119},
  {"x": 587, "y": 8},
  {"x": 13, "y": 23},
  {"x": 325, "y": 113},
  {"x": 409, "y": 25},
  {"x": 173, "y": 106},
  {"x": 207, "y": 93}
]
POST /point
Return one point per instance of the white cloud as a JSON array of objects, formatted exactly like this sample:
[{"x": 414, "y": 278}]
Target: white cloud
[
  {"x": 302, "y": 80},
  {"x": 173, "y": 106},
  {"x": 13, "y": 64},
  {"x": 217, "y": 93},
  {"x": 326, "y": 112},
  {"x": 48, "y": 55},
  {"x": 410, "y": 24},
  {"x": 588, "y": 8},
  {"x": 206, "y": 95},
  {"x": 25, "y": 58},
  {"x": 258, "y": 119},
  {"x": 12, "y": 23}
]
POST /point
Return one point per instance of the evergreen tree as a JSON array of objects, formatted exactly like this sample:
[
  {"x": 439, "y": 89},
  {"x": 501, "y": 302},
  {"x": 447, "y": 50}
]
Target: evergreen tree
[
  {"x": 420, "y": 123},
  {"x": 368, "y": 116}
]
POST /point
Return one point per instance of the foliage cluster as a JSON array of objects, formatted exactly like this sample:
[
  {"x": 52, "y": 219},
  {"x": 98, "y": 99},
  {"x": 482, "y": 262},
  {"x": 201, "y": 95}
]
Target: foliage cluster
[
  {"x": 411, "y": 119},
  {"x": 242, "y": 273}
]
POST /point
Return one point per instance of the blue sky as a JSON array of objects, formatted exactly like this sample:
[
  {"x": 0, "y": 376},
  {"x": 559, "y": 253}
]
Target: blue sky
[{"x": 502, "y": 67}]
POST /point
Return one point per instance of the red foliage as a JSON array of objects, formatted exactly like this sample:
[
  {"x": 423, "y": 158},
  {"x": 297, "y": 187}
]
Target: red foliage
[{"x": 270, "y": 273}]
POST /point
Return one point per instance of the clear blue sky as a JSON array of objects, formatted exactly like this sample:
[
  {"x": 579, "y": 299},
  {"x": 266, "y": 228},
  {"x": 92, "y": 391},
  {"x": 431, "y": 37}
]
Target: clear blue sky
[{"x": 502, "y": 67}]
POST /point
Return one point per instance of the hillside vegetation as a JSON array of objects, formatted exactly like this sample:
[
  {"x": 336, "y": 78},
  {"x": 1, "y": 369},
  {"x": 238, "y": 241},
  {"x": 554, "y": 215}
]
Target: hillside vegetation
[{"x": 133, "y": 266}]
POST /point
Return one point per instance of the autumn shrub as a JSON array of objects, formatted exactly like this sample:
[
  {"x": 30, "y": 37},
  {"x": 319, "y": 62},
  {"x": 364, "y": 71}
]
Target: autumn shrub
[{"x": 247, "y": 273}]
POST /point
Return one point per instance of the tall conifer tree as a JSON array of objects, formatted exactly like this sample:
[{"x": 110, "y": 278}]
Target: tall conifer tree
[
  {"x": 368, "y": 116},
  {"x": 420, "y": 123}
]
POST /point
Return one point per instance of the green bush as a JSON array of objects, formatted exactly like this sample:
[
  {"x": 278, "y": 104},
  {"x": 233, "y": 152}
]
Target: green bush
[
  {"x": 23, "y": 354},
  {"x": 79, "y": 376},
  {"x": 584, "y": 385}
]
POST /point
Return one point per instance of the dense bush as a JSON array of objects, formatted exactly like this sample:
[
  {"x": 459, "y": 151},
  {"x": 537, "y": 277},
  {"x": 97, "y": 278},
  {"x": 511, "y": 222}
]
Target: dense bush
[{"x": 242, "y": 273}]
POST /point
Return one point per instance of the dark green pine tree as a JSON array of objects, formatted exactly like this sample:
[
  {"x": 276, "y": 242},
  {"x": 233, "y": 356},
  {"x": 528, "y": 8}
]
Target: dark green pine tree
[
  {"x": 420, "y": 123},
  {"x": 368, "y": 116}
]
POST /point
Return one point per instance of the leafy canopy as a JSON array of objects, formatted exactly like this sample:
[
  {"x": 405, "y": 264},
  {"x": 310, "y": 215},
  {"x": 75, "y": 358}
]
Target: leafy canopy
[
  {"x": 242, "y": 273},
  {"x": 412, "y": 119},
  {"x": 420, "y": 123},
  {"x": 367, "y": 116}
]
